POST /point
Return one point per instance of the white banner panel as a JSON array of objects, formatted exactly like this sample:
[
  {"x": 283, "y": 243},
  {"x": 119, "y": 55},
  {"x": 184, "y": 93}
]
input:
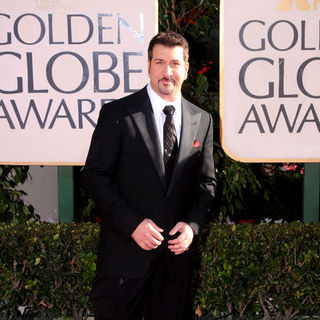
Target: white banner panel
[
  {"x": 270, "y": 80},
  {"x": 60, "y": 60}
]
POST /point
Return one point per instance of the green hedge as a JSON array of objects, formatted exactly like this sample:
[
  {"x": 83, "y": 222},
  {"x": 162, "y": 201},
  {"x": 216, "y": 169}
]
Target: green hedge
[
  {"x": 249, "y": 271},
  {"x": 270, "y": 271},
  {"x": 47, "y": 268}
]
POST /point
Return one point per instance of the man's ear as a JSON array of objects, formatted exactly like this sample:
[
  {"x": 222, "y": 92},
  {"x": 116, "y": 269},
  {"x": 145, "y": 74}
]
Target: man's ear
[
  {"x": 149, "y": 66},
  {"x": 187, "y": 69}
]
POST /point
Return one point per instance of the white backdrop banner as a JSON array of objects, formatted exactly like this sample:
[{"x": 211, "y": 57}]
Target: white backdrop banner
[
  {"x": 60, "y": 60},
  {"x": 270, "y": 80}
]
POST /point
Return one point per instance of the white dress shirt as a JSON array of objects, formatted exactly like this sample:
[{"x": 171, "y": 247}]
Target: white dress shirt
[{"x": 158, "y": 105}]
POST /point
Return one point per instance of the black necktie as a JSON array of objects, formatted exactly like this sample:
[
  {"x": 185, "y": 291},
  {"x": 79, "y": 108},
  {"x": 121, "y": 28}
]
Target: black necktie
[{"x": 169, "y": 141}]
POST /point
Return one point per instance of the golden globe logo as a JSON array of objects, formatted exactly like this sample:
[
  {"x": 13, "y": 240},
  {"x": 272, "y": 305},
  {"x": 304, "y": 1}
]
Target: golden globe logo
[
  {"x": 63, "y": 59},
  {"x": 270, "y": 89}
]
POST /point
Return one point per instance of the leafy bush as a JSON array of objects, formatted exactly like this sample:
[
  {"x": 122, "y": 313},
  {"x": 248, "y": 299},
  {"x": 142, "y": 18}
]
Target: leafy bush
[
  {"x": 248, "y": 271},
  {"x": 47, "y": 268},
  {"x": 12, "y": 205},
  {"x": 257, "y": 271}
]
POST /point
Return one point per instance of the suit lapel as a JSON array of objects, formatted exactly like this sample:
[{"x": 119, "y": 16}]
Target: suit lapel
[
  {"x": 189, "y": 128},
  {"x": 145, "y": 122},
  {"x": 142, "y": 114}
]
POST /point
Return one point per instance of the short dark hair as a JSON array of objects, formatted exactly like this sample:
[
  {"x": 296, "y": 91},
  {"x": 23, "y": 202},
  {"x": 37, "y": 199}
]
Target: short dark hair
[{"x": 169, "y": 39}]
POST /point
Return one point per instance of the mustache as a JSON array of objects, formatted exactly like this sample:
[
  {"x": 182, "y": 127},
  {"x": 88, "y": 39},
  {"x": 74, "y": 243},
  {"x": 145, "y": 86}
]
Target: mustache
[{"x": 167, "y": 79}]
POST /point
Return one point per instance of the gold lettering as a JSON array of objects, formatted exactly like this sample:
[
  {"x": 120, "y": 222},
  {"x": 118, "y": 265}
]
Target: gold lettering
[
  {"x": 300, "y": 4},
  {"x": 285, "y": 5},
  {"x": 315, "y": 3}
]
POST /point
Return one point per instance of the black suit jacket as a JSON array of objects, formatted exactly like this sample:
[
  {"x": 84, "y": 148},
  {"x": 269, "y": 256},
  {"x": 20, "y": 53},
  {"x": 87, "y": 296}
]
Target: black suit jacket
[{"x": 125, "y": 176}]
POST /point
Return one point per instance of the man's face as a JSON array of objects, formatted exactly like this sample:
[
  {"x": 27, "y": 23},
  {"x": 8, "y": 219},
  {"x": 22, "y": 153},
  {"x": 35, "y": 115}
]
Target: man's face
[{"x": 167, "y": 71}]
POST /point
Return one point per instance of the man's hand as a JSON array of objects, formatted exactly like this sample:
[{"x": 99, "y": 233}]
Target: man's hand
[
  {"x": 147, "y": 235},
  {"x": 183, "y": 241}
]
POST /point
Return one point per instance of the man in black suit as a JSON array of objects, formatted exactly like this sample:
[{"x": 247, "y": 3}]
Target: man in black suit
[{"x": 152, "y": 177}]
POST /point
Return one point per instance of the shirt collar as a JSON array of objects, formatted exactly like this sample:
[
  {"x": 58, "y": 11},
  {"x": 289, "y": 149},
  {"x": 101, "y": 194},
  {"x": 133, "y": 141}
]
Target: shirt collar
[{"x": 158, "y": 103}]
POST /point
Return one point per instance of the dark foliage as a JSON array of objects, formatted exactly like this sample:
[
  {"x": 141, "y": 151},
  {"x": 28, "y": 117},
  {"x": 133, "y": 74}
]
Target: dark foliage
[
  {"x": 12, "y": 205},
  {"x": 248, "y": 271}
]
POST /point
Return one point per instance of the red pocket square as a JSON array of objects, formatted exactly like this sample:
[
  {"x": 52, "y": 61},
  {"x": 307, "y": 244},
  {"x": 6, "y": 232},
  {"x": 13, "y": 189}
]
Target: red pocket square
[{"x": 196, "y": 144}]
